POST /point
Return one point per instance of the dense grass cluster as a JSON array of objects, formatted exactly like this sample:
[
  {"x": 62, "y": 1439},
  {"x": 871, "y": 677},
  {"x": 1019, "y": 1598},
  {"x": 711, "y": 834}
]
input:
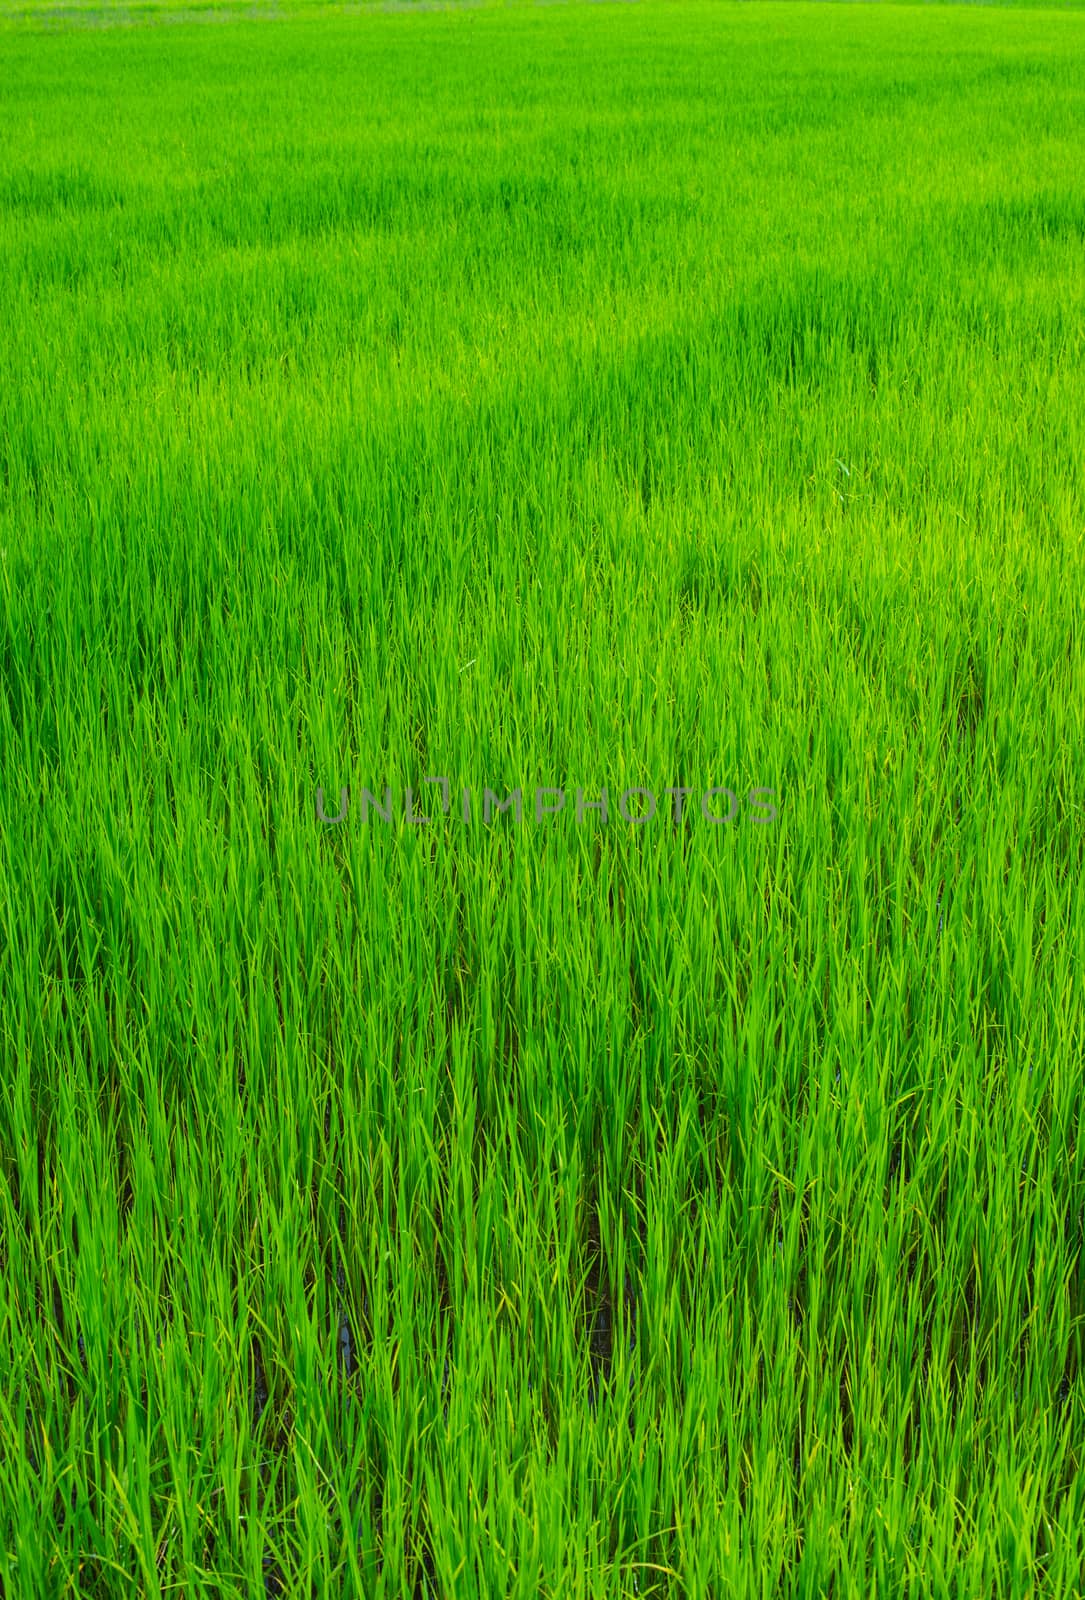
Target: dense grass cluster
[{"x": 661, "y": 396}]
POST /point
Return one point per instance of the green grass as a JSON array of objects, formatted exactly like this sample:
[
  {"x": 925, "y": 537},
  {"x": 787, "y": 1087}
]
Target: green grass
[{"x": 583, "y": 397}]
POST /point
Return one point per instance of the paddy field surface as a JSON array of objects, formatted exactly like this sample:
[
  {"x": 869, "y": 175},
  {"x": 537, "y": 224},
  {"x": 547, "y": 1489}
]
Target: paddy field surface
[{"x": 646, "y": 442}]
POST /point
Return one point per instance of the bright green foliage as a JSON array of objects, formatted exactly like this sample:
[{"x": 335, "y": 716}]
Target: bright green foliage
[{"x": 568, "y": 396}]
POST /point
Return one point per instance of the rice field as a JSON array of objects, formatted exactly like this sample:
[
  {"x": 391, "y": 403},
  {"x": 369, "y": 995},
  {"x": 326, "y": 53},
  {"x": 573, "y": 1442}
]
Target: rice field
[{"x": 542, "y": 800}]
